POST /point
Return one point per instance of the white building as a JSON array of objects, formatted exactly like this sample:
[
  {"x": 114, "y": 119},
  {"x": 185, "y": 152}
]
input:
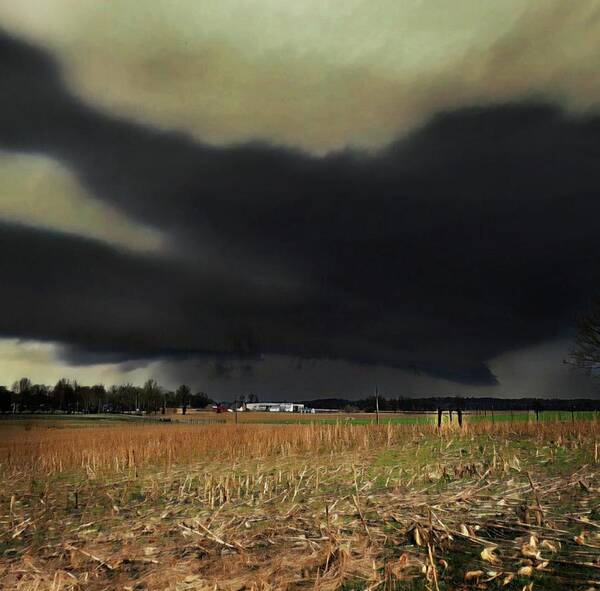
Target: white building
[{"x": 275, "y": 406}]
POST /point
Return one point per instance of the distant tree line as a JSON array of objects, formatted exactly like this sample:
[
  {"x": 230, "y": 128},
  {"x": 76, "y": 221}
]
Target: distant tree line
[
  {"x": 452, "y": 403},
  {"x": 68, "y": 396}
]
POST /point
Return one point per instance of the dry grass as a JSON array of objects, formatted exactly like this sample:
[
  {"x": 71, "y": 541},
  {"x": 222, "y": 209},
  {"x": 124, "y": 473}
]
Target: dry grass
[
  {"x": 35, "y": 448},
  {"x": 358, "y": 417},
  {"x": 300, "y": 507},
  {"x": 120, "y": 448}
]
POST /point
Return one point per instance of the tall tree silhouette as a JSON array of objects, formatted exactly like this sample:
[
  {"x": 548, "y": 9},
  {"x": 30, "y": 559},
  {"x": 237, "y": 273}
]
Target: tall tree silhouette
[
  {"x": 586, "y": 353},
  {"x": 182, "y": 396}
]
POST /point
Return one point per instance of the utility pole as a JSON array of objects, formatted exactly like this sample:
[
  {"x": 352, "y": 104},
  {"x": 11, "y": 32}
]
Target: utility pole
[{"x": 377, "y": 404}]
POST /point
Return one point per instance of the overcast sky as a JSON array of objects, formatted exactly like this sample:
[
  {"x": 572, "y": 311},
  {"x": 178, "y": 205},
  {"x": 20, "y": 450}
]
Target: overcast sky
[{"x": 299, "y": 199}]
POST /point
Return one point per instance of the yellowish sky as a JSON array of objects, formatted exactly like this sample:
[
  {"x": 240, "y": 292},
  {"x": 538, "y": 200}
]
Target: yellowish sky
[
  {"x": 320, "y": 75},
  {"x": 40, "y": 361},
  {"x": 38, "y": 191}
]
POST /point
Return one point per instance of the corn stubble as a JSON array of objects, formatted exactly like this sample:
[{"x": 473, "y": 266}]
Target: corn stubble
[{"x": 310, "y": 506}]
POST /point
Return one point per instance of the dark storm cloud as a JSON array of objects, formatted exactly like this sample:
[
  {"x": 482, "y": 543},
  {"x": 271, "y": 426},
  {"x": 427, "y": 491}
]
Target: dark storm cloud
[{"x": 476, "y": 235}]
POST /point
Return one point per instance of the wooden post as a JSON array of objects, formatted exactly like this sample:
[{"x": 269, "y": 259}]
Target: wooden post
[
  {"x": 377, "y": 404},
  {"x": 439, "y": 410},
  {"x": 459, "y": 414}
]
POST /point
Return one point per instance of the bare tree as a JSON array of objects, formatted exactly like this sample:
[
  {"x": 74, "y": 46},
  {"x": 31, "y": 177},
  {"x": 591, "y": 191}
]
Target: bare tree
[
  {"x": 22, "y": 386},
  {"x": 183, "y": 397},
  {"x": 586, "y": 353},
  {"x": 153, "y": 395}
]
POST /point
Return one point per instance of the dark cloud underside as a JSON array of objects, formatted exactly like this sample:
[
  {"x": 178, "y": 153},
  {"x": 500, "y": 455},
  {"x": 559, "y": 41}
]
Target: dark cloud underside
[{"x": 475, "y": 235}]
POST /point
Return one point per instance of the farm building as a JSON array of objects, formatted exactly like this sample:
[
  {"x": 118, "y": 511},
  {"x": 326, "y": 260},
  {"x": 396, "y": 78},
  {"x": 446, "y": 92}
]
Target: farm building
[{"x": 275, "y": 406}]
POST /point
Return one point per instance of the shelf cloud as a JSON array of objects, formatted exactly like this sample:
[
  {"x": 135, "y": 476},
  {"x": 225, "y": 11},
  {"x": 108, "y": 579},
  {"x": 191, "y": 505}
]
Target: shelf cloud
[{"x": 425, "y": 228}]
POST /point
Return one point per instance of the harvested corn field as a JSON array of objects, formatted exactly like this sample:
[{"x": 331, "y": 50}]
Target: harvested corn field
[{"x": 315, "y": 506}]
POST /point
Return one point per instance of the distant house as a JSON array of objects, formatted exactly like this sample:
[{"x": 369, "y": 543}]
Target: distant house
[{"x": 275, "y": 406}]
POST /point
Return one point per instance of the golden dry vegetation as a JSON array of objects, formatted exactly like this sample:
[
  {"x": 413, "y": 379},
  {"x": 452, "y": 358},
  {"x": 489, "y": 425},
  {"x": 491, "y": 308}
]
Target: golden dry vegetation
[{"x": 309, "y": 506}]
